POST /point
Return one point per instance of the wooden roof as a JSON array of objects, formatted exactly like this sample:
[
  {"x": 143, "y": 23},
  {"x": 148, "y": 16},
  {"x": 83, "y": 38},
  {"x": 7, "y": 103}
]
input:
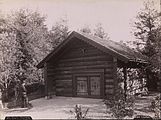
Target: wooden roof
[{"x": 115, "y": 49}]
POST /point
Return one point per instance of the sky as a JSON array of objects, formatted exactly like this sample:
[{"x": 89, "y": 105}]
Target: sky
[{"x": 116, "y": 16}]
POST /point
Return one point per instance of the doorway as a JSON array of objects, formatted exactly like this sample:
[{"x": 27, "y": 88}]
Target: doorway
[{"x": 88, "y": 85}]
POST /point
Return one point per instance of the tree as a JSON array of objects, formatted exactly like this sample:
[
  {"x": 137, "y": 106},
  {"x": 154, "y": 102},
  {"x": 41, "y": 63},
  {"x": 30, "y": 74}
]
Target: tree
[
  {"x": 148, "y": 30},
  {"x": 7, "y": 45},
  {"x": 100, "y": 32},
  {"x": 23, "y": 43},
  {"x": 31, "y": 34},
  {"x": 58, "y": 33},
  {"x": 85, "y": 29}
]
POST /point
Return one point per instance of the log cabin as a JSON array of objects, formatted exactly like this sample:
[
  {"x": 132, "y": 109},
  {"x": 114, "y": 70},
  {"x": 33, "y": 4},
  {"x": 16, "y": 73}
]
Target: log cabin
[{"x": 86, "y": 66}]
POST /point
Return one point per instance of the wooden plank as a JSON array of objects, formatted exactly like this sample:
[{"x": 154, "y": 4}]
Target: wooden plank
[
  {"x": 109, "y": 86},
  {"x": 85, "y": 63},
  {"x": 58, "y": 77},
  {"x": 109, "y": 95},
  {"x": 109, "y": 91},
  {"x": 88, "y": 49},
  {"x": 108, "y": 76},
  {"x": 45, "y": 79},
  {"x": 62, "y": 83},
  {"x": 100, "y": 57},
  {"x": 108, "y": 69},
  {"x": 79, "y": 71},
  {"x": 63, "y": 91},
  {"x": 109, "y": 80},
  {"x": 79, "y": 53},
  {"x": 64, "y": 80},
  {"x": 115, "y": 75},
  {"x": 83, "y": 67},
  {"x": 109, "y": 83},
  {"x": 63, "y": 86}
]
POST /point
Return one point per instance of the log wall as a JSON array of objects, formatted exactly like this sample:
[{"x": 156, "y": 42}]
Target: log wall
[{"x": 79, "y": 58}]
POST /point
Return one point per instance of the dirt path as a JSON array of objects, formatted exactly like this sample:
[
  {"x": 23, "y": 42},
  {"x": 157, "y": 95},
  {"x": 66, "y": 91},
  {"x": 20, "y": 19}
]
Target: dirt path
[{"x": 60, "y": 107}]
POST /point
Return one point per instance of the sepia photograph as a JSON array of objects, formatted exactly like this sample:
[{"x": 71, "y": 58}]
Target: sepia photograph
[{"x": 80, "y": 59}]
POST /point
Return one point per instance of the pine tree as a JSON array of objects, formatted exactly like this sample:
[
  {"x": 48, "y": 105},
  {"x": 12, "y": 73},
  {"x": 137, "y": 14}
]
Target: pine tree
[
  {"x": 23, "y": 43},
  {"x": 148, "y": 29}
]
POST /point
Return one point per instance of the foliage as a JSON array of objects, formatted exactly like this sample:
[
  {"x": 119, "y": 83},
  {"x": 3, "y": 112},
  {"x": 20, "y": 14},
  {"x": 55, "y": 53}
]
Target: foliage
[
  {"x": 58, "y": 33},
  {"x": 148, "y": 33},
  {"x": 21, "y": 40},
  {"x": 98, "y": 31},
  {"x": 120, "y": 107},
  {"x": 86, "y": 29},
  {"x": 136, "y": 80},
  {"x": 122, "y": 103},
  {"x": 23, "y": 43},
  {"x": 155, "y": 107},
  {"x": 31, "y": 34},
  {"x": 79, "y": 113}
]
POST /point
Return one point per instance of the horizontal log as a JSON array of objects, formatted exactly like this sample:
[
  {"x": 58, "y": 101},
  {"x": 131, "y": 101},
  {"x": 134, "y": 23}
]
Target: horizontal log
[
  {"x": 85, "y": 63},
  {"x": 83, "y": 67},
  {"x": 81, "y": 54},
  {"x": 64, "y": 86},
  {"x": 109, "y": 86},
  {"x": 109, "y": 83},
  {"x": 109, "y": 91},
  {"x": 64, "y": 90},
  {"x": 69, "y": 82},
  {"x": 108, "y": 95},
  {"x": 64, "y": 94},
  {"x": 63, "y": 77},
  {"x": 109, "y": 70},
  {"x": 77, "y": 43},
  {"x": 100, "y": 57},
  {"x": 63, "y": 80},
  {"x": 50, "y": 78},
  {"x": 79, "y": 71},
  {"x": 88, "y": 49},
  {"x": 51, "y": 75},
  {"x": 108, "y": 77},
  {"x": 109, "y": 73},
  {"x": 109, "y": 80},
  {"x": 62, "y": 83}
]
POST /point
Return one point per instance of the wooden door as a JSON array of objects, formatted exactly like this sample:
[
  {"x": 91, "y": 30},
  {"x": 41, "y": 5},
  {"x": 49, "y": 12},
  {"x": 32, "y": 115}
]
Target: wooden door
[
  {"x": 82, "y": 85},
  {"x": 94, "y": 85},
  {"x": 88, "y": 85}
]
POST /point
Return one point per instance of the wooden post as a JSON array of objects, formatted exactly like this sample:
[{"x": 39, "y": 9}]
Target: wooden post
[
  {"x": 125, "y": 81},
  {"x": 115, "y": 75},
  {"x": 45, "y": 80}
]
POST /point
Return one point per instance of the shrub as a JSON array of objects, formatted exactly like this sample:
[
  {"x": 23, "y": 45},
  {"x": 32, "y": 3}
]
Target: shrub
[
  {"x": 79, "y": 113},
  {"x": 155, "y": 107},
  {"x": 119, "y": 106}
]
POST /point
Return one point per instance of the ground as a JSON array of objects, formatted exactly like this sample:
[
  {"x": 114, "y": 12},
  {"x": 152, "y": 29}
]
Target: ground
[{"x": 60, "y": 107}]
